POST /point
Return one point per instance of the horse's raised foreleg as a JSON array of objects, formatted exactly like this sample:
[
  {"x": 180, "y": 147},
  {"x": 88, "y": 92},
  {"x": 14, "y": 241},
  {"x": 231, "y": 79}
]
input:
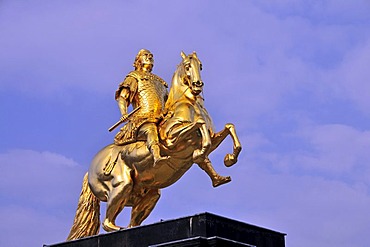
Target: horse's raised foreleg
[
  {"x": 119, "y": 194},
  {"x": 230, "y": 159},
  {"x": 143, "y": 207},
  {"x": 216, "y": 178}
]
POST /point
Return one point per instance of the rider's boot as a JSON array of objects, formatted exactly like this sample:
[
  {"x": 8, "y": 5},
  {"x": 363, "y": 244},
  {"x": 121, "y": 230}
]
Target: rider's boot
[
  {"x": 158, "y": 159},
  {"x": 217, "y": 179}
]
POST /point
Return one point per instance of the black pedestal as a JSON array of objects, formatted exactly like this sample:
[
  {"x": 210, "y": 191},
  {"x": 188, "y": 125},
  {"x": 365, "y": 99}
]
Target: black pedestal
[{"x": 199, "y": 230}]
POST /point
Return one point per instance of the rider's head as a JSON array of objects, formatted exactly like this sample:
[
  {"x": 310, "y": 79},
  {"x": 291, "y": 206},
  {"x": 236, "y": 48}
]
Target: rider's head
[{"x": 144, "y": 60}]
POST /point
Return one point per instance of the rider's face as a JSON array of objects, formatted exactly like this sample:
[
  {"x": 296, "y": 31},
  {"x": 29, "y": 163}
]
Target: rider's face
[{"x": 147, "y": 59}]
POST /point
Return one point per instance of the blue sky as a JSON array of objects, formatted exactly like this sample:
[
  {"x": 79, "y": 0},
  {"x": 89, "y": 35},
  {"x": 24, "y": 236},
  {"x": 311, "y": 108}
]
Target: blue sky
[{"x": 291, "y": 75}]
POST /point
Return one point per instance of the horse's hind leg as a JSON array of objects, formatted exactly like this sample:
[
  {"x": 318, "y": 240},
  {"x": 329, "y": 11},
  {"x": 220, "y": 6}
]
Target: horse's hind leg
[
  {"x": 216, "y": 178},
  {"x": 122, "y": 186},
  {"x": 143, "y": 207}
]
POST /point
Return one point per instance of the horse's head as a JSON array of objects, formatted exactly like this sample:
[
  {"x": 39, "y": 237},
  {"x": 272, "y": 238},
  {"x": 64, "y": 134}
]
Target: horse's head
[
  {"x": 186, "y": 81},
  {"x": 189, "y": 70}
]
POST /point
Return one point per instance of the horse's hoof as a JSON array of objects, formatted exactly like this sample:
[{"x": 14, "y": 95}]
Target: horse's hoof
[
  {"x": 229, "y": 160},
  {"x": 220, "y": 180},
  {"x": 110, "y": 227}
]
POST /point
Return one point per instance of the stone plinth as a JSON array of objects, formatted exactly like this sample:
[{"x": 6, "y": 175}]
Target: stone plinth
[{"x": 198, "y": 230}]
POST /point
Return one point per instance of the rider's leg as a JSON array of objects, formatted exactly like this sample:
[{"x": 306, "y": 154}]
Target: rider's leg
[
  {"x": 152, "y": 140},
  {"x": 143, "y": 207},
  {"x": 217, "y": 179},
  {"x": 122, "y": 186}
]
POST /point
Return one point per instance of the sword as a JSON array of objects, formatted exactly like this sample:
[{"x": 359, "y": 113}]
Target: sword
[{"x": 124, "y": 119}]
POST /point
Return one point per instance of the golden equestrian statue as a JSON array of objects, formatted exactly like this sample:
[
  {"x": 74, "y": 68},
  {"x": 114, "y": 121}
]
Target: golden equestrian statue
[{"x": 165, "y": 135}]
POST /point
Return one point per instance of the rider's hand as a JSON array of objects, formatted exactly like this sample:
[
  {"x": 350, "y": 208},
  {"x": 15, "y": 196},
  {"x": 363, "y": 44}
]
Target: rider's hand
[{"x": 123, "y": 118}]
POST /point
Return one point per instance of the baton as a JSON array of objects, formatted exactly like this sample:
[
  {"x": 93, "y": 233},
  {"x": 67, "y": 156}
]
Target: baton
[{"x": 123, "y": 119}]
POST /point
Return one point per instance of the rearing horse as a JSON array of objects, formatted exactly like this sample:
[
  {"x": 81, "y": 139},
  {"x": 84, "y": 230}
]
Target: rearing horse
[{"x": 186, "y": 136}]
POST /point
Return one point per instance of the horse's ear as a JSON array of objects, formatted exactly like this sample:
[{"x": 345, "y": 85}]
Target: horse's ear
[
  {"x": 195, "y": 54},
  {"x": 183, "y": 55}
]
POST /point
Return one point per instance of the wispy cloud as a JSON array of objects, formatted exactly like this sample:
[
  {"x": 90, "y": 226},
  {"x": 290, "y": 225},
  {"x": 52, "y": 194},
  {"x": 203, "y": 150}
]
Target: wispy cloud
[{"x": 37, "y": 190}]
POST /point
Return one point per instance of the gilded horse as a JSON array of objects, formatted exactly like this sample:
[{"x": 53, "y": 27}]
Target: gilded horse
[{"x": 186, "y": 136}]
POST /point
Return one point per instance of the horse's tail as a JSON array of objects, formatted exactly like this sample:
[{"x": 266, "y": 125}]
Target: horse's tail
[{"x": 87, "y": 219}]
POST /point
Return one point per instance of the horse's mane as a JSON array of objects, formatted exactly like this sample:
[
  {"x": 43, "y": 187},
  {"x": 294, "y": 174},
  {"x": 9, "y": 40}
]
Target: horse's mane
[{"x": 177, "y": 88}]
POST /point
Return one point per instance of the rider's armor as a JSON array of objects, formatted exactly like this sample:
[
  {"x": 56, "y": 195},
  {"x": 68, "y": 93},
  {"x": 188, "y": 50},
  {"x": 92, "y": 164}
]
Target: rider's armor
[{"x": 148, "y": 92}]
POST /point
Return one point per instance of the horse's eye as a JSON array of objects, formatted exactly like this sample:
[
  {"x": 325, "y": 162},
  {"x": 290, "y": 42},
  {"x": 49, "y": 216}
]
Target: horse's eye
[{"x": 187, "y": 67}]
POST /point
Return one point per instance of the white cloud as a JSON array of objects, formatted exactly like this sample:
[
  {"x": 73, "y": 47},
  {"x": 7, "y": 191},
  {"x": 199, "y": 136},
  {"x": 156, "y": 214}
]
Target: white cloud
[
  {"x": 47, "y": 176},
  {"x": 337, "y": 150},
  {"x": 311, "y": 210},
  {"x": 26, "y": 226},
  {"x": 39, "y": 193},
  {"x": 44, "y": 175},
  {"x": 351, "y": 78},
  {"x": 325, "y": 11}
]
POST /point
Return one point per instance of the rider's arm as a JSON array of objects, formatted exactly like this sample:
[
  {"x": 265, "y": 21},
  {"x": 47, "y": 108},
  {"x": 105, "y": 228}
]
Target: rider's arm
[
  {"x": 125, "y": 93},
  {"x": 123, "y": 100}
]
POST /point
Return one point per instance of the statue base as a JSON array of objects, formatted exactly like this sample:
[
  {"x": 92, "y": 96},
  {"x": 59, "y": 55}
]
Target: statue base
[{"x": 203, "y": 229}]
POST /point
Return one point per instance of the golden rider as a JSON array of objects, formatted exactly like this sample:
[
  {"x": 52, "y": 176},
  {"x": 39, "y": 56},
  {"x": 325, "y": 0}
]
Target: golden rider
[{"x": 143, "y": 89}]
